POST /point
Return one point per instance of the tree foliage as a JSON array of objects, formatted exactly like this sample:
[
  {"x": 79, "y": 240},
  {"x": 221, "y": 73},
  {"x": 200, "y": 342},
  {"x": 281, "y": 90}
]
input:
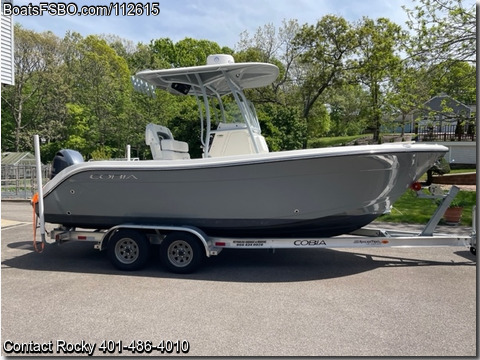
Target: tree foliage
[
  {"x": 348, "y": 107},
  {"x": 454, "y": 79},
  {"x": 27, "y": 102},
  {"x": 324, "y": 50},
  {"x": 282, "y": 126},
  {"x": 336, "y": 78},
  {"x": 378, "y": 64},
  {"x": 445, "y": 30},
  {"x": 410, "y": 87}
]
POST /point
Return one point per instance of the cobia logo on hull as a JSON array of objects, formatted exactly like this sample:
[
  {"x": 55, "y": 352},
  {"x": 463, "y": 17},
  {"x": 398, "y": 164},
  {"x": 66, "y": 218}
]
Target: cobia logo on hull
[
  {"x": 311, "y": 242},
  {"x": 113, "y": 177}
]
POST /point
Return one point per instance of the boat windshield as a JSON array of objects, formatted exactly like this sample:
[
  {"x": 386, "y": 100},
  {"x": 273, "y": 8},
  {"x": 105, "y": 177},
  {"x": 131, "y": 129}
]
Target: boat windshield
[
  {"x": 233, "y": 108},
  {"x": 233, "y": 113}
]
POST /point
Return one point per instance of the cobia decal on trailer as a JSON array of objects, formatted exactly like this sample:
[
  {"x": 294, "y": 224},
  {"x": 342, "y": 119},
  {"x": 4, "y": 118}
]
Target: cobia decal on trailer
[{"x": 310, "y": 242}]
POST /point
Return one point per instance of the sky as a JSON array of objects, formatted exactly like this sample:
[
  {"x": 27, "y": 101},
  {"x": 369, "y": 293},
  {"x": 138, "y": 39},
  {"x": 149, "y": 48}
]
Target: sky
[{"x": 221, "y": 21}]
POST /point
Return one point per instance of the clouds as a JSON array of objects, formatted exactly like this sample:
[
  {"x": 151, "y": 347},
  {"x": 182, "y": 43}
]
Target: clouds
[{"x": 216, "y": 20}]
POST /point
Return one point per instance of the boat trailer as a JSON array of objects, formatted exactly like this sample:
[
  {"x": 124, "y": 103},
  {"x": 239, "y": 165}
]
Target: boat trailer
[{"x": 182, "y": 248}]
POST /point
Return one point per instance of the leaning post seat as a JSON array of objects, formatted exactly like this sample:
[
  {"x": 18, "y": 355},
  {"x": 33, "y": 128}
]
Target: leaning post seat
[{"x": 162, "y": 145}]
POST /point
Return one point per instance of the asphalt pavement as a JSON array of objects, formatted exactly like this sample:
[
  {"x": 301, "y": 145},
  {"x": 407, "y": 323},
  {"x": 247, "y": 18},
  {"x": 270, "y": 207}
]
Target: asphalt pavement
[{"x": 69, "y": 300}]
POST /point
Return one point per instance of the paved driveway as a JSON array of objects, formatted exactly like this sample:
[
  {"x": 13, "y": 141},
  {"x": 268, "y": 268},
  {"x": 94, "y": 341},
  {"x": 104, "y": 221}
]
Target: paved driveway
[{"x": 349, "y": 302}]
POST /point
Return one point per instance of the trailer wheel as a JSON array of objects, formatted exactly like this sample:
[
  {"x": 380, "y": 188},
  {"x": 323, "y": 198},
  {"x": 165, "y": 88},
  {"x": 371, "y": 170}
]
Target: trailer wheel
[
  {"x": 473, "y": 250},
  {"x": 181, "y": 253},
  {"x": 128, "y": 249}
]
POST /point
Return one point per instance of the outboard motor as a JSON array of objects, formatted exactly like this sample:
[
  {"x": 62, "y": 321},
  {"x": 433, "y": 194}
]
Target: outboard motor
[{"x": 64, "y": 158}]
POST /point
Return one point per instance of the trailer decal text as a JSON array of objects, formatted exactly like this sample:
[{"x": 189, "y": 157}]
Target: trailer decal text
[
  {"x": 370, "y": 242},
  {"x": 309, "y": 243},
  {"x": 257, "y": 243}
]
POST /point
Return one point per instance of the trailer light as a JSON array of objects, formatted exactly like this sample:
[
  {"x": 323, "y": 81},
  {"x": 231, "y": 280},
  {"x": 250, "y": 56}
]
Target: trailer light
[
  {"x": 416, "y": 186},
  {"x": 219, "y": 243},
  {"x": 82, "y": 237}
]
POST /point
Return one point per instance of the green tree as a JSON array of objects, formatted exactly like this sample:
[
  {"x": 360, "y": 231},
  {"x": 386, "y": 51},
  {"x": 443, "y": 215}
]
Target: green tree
[
  {"x": 348, "y": 106},
  {"x": 274, "y": 46},
  {"x": 192, "y": 52},
  {"x": 324, "y": 49},
  {"x": 282, "y": 126},
  {"x": 186, "y": 52},
  {"x": 457, "y": 79},
  {"x": 35, "y": 61},
  {"x": 378, "y": 62},
  {"x": 101, "y": 92},
  {"x": 164, "y": 52},
  {"x": 445, "y": 30},
  {"x": 409, "y": 90}
]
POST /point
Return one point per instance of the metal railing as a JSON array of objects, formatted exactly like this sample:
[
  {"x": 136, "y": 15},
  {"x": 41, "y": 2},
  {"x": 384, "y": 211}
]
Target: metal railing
[
  {"x": 447, "y": 133},
  {"x": 20, "y": 181}
]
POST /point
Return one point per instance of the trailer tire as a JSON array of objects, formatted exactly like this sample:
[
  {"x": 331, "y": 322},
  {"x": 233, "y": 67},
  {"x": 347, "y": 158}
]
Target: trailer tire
[
  {"x": 128, "y": 249},
  {"x": 473, "y": 250},
  {"x": 181, "y": 253}
]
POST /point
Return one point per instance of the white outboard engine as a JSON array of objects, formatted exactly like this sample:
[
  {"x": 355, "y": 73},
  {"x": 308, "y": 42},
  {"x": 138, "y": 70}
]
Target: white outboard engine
[{"x": 64, "y": 158}]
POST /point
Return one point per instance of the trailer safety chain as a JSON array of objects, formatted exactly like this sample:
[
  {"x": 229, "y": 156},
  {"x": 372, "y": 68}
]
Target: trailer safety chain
[{"x": 38, "y": 249}]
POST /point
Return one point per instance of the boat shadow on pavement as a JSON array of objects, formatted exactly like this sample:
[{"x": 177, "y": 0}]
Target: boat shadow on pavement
[{"x": 231, "y": 265}]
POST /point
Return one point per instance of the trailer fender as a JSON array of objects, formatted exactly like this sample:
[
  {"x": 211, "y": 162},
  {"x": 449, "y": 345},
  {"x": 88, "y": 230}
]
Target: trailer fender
[{"x": 164, "y": 230}]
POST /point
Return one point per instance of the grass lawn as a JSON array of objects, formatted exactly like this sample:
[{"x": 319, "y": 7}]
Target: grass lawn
[
  {"x": 412, "y": 210},
  {"x": 335, "y": 141},
  {"x": 461, "y": 171}
]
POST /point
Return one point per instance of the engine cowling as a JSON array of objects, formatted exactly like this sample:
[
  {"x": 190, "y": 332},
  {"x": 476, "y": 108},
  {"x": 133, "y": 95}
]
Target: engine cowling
[{"x": 63, "y": 159}]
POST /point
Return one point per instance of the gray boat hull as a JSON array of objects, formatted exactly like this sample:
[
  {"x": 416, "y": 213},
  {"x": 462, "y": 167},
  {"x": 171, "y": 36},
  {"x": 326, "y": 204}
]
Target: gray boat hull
[{"x": 319, "y": 192}]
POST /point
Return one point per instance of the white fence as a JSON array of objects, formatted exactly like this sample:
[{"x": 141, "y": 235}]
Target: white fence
[{"x": 460, "y": 152}]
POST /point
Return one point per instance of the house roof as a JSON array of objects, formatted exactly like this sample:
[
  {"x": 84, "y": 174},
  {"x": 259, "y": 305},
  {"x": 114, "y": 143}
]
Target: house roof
[
  {"x": 16, "y": 158},
  {"x": 437, "y": 103}
]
